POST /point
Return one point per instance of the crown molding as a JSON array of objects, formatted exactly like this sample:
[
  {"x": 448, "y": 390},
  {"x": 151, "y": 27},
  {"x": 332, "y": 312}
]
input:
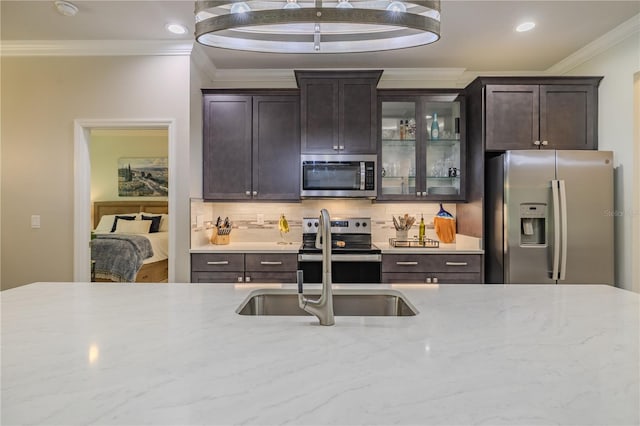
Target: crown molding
[
  {"x": 598, "y": 46},
  {"x": 96, "y": 47}
]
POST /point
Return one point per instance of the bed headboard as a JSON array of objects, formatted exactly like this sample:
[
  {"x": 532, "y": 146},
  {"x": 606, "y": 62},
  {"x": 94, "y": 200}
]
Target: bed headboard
[{"x": 100, "y": 208}]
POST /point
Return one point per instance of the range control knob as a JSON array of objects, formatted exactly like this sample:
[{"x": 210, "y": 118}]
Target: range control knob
[
  {"x": 316, "y": 224},
  {"x": 364, "y": 224},
  {"x": 308, "y": 224},
  {"x": 358, "y": 224}
]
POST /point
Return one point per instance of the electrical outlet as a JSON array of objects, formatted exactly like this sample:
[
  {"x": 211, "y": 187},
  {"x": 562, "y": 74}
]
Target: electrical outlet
[
  {"x": 260, "y": 219},
  {"x": 35, "y": 221}
]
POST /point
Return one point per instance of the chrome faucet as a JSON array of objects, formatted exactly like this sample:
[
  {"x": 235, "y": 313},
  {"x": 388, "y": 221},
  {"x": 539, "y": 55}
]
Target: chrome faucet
[{"x": 322, "y": 307}]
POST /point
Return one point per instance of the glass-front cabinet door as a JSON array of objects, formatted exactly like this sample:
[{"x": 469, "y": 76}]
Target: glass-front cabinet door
[{"x": 421, "y": 146}]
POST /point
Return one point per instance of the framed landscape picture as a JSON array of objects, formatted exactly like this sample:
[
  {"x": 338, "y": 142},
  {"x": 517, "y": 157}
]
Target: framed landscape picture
[{"x": 143, "y": 177}]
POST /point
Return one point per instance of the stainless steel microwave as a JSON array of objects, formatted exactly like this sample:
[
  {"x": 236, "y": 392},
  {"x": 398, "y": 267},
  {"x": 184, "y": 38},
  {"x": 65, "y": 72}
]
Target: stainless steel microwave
[{"x": 338, "y": 175}]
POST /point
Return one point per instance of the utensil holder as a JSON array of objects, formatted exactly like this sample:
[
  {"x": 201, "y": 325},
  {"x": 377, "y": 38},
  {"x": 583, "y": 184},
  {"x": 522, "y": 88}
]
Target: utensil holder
[
  {"x": 402, "y": 234},
  {"x": 220, "y": 239}
]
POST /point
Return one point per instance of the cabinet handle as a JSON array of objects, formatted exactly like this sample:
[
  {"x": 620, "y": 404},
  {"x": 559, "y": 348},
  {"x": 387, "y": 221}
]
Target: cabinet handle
[
  {"x": 545, "y": 143},
  {"x": 267, "y": 262},
  {"x": 536, "y": 143},
  {"x": 427, "y": 280},
  {"x": 218, "y": 262},
  {"x": 247, "y": 279},
  {"x": 434, "y": 280},
  {"x": 341, "y": 147},
  {"x": 456, "y": 263},
  {"x": 239, "y": 279},
  {"x": 407, "y": 263},
  {"x": 248, "y": 192},
  {"x": 424, "y": 194},
  {"x": 335, "y": 147},
  {"x": 255, "y": 192},
  {"x": 418, "y": 193}
]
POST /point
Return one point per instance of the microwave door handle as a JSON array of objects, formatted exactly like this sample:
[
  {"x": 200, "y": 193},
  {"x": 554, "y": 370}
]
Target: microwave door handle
[
  {"x": 556, "y": 230},
  {"x": 362, "y": 175}
]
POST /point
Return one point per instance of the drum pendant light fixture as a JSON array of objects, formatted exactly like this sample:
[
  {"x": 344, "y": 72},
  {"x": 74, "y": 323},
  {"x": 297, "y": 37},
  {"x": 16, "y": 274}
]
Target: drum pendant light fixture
[{"x": 317, "y": 26}]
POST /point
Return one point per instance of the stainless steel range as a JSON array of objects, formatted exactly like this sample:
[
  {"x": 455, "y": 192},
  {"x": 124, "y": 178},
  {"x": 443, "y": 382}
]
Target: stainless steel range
[{"x": 354, "y": 259}]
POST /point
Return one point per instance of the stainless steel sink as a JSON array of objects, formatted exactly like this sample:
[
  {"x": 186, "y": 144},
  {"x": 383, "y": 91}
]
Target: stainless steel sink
[{"x": 383, "y": 303}]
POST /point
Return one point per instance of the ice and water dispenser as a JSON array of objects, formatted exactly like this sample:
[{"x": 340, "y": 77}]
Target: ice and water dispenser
[{"x": 533, "y": 224}]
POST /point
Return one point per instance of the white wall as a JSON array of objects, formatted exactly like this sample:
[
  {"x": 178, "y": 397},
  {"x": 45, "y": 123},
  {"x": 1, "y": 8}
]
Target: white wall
[
  {"x": 108, "y": 145},
  {"x": 41, "y": 98},
  {"x": 616, "y": 133}
]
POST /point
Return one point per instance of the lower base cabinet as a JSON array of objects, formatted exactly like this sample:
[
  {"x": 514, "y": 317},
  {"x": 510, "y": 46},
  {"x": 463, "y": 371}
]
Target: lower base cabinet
[
  {"x": 432, "y": 268},
  {"x": 244, "y": 267}
]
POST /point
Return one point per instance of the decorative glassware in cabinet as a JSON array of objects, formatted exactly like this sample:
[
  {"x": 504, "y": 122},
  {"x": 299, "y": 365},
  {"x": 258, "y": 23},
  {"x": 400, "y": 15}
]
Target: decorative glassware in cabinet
[
  {"x": 442, "y": 128},
  {"x": 398, "y": 147}
]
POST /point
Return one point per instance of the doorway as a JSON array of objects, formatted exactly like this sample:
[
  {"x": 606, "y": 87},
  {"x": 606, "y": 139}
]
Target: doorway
[{"x": 82, "y": 186}]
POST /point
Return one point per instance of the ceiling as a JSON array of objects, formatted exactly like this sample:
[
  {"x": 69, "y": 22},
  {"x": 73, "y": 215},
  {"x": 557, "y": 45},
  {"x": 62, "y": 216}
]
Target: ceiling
[{"x": 475, "y": 34}]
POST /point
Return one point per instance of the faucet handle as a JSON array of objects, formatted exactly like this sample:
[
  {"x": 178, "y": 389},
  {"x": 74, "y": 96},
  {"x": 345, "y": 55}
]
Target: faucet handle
[{"x": 299, "y": 278}]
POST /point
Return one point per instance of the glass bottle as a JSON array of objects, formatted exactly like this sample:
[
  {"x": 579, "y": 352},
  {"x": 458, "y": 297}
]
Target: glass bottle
[
  {"x": 435, "y": 129},
  {"x": 402, "y": 129},
  {"x": 421, "y": 229}
]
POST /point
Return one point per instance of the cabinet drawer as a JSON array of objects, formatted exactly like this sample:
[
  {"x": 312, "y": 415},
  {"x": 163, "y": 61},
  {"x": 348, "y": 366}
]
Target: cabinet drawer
[
  {"x": 452, "y": 263},
  {"x": 217, "y": 262},
  {"x": 270, "y": 277},
  {"x": 217, "y": 277},
  {"x": 425, "y": 277},
  {"x": 276, "y": 262}
]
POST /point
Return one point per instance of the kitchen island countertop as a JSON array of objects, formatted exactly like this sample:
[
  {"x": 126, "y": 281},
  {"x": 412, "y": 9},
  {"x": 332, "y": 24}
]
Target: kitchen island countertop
[{"x": 122, "y": 354}]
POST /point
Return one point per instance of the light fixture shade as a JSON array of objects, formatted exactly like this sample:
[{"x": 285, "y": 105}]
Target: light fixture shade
[{"x": 317, "y": 26}]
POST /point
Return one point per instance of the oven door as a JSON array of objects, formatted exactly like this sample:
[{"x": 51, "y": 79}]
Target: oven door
[{"x": 345, "y": 268}]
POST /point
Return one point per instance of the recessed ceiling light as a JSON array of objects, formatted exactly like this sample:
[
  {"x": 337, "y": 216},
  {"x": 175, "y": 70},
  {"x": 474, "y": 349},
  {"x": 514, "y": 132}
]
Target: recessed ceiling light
[
  {"x": 177, "y": 28},
  {"x": 66, "y": 8},
  {"x": 525, "y": 26}
]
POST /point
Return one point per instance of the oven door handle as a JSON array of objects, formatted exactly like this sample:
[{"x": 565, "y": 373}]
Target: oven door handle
[{"x": 317, "y": 257}]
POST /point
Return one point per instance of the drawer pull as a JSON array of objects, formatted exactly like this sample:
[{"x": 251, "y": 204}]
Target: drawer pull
[
  {"x": 456, "y": 263},
  {"x": 218, "y": 262},
  {"x": 268, "y": 262},
  {"x": 407, "y": 263}
]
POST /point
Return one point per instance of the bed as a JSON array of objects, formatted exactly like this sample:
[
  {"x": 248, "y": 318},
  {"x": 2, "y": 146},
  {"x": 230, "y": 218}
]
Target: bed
[{"x": 154, "y": 268}]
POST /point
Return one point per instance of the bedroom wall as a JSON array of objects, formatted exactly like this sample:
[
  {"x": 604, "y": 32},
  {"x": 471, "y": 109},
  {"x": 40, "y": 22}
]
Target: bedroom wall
[
  {"x": 615, "y": 133},
  {"x": 41, "y": 98},
  {"x": 108, "y": 145}
]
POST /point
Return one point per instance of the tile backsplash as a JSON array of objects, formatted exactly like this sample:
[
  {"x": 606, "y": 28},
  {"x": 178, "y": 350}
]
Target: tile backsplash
[{"x": 247, "y": 228}]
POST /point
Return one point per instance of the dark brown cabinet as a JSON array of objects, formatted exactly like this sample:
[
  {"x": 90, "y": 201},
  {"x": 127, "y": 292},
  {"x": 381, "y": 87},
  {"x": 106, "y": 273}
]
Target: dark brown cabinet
[
  {"x": 244, "y": 267},
  {"x": 539, "y": 113},
  {"x": 338, "y": 111},
  {"x": 432, "y": 268},
  {"x": 422, "y": 145},
  {"x": 251, "y": 146}
]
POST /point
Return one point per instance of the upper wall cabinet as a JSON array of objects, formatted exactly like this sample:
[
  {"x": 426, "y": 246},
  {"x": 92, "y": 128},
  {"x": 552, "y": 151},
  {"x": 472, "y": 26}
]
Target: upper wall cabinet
[
  {"x": 422, "y": 145},
  {"x": 251, "y": 146},
  {"x": 542, "y": 113},
  {"x": 338, "y": 111}
]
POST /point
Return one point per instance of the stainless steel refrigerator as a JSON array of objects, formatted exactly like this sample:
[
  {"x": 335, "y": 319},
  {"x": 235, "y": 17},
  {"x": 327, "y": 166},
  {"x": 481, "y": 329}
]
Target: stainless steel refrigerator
[{"x": 549, "y": 217}]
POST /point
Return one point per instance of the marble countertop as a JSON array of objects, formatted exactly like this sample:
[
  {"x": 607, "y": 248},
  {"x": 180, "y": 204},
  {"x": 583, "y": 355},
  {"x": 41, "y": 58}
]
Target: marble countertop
[
  {"x": 123, "y": 354},
  {"x": 248, "y": 247}
]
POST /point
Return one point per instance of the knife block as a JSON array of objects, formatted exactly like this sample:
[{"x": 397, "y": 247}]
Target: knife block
[{"x": 219, "y": 239}]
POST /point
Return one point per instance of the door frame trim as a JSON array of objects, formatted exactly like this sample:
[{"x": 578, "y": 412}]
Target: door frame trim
[{"x": 82, "y": 187}]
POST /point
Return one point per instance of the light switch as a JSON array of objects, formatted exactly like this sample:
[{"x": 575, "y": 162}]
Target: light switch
[{"x": 35, "y": 221}]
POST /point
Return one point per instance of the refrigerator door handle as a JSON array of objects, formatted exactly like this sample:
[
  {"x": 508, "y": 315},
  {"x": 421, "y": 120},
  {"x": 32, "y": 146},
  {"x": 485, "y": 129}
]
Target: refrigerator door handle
[
  {"x": 563, "y": 214},
  {"x": 556, "y": 230}
]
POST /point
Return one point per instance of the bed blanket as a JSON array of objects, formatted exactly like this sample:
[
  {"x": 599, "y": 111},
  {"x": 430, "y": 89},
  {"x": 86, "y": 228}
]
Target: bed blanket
[{"x": 119, "y": 257}]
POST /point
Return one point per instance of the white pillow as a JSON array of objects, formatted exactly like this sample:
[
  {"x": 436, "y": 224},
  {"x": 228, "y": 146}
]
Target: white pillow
[
  {"x": 106, "y": 223},
  {"x": 164, "y": 222},
  {"x": 133, "y": 227}
]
